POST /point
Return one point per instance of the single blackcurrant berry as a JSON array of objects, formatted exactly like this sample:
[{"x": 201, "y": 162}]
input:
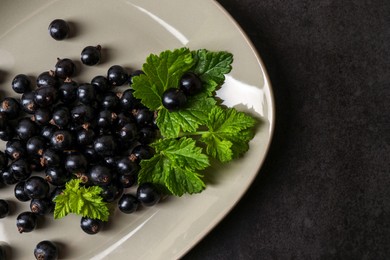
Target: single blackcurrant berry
[
  {"x": 46, "y": 250},
  {"x": 10, "y": 107},
  {"x": 174, "y": 99},
  {"x": 117, "y": 75},
  {"x": 190, "y": 83},
  {"x": 36, "y": 187},
  {"x": 91, "y": 226},
  {"x": 128, "y": 203},
  {"x": 148, "y": 194},
  {"x": 64, "y": 68},
  {"x": 26, "y": 221},
  {"x": 91, "y": 55},
  {"x": 59, "y": 29},
  {"x": 21, "y": 83},
  {"x": 47, "y": 79}
]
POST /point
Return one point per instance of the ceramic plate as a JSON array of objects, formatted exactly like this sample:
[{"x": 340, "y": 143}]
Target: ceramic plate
[{"x": 128, "y": 31}]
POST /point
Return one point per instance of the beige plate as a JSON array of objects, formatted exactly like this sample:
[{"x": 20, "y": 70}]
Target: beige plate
[{"x": 129, "y": 30}]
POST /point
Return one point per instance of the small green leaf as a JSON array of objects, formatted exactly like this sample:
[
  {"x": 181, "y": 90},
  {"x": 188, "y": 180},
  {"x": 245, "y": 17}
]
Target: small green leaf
[
  {"x": 175, "y": 166},
  {"x": 229, "y": 133},
  {"x": 81, "y": 201}
]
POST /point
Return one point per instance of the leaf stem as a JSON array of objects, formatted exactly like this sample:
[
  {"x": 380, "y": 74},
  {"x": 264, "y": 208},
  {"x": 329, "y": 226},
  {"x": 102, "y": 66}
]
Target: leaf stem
[{"x": 182, "y": 134}]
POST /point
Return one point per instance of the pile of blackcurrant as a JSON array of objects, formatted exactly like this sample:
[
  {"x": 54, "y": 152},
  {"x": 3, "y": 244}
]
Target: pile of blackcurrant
[{"x": 56, "y": 129}]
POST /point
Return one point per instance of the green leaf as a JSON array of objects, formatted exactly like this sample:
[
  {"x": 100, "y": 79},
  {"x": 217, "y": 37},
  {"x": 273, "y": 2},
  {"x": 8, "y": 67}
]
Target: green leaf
[
  {"x": 211, "y": 67},
  {"x": 186, "y": 120},
  {"x": 177, "y": 178},
  {"x": 161, "y": 72},
  {"x": 62, "y": 207},
  {"x": 175, "y": 166},
  {"x": 82, "y": 201},
  {"x": 229, "y": 133}
]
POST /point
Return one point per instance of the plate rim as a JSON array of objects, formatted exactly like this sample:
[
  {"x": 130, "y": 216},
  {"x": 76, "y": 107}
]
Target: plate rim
[{"x": 227, "y": 210}]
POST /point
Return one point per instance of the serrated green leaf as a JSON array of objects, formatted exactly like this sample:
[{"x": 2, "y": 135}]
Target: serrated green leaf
[
  {"x": 180, "y": 181},
  {"x": 82, "y": 201},
  {"x": 175, "y": 166},
  {"x": 212, "y": 66},
  {"x": 182, "y": 152},
  {"x": 229, "y": 133},
  {"x": 75, "y": 203},
  {"x": 218, "y": 148},
  {"x": 152, "y": 170},
  {"x": 61, "y": 207}
]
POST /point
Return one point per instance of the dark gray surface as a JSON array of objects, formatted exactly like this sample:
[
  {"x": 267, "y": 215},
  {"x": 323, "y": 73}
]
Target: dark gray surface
[{"x": 324, "y": 191}]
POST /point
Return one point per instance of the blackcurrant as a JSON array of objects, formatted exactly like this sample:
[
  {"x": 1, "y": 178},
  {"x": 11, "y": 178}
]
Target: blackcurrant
[
  {"x": 26, "y": 221},
  {"x": 190, "y": 83},
  {"x": 47, "y": 131},
  {"x": 117, "y": 75},
  {"x": 101, "y": 84},
  {"x": 59, "y": 29},
  {"x": 8, "y": 177},
  {"x": 10, "y": 107},
  {"x": 62, "y": 140},
  {"x": 128, "y": 133},
  {"x": 143, "y": 116},
  {"x": 141, "y": 152},
  {"x": 86, "y": 93},
  {"x": 57, "y": 175},
  {"x": 26, "y": 128},
  {"x": 19, "y": 192},
  {"x": 20, "y": 169},
  {"x": 41, "y": 206},
  {"x": 52, "y": 158},
  {"x": 82, "y": 114},
  {"x": 85, "y": 136},
  {"x": 45, "y": 96},
  {"x": 36, "y": 187},
  {"x": 64, "y": 68},
  {"x": 110, "y": 101},
  {"x": 67, "y": 92},
  {"x": 35, "y": 146},
  {"x": 128, "y": 203},
  {"x": 91, "y": 226},
  {"x": 76, "y": 162},
  {"x": 61, "y": 116},
  {"x": 105, "y": 145},
  {"x": 42, "y": 116},
  {"x": 174, "y": 99},
  {"x": 148, "y": 194},
  {"x": 91, "y": 55},
  {"x": 46, "y": 250},
  {"x": 21, "y": 83},
  {"x": 28, "y": 103},
  {"x": 111, "y": 192},
  {"x": 100, "y": 175},
  {"x": 15, "y": 149},
  {"x": 128, "y": 102},
  {"x": 47, "y": 79}
]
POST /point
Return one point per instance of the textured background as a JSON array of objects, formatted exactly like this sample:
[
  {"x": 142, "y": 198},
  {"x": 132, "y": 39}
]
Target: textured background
[{"x": 324, "y": 191}]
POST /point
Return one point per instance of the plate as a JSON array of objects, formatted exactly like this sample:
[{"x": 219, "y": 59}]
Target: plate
[{"x": 128, "y": 31}]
